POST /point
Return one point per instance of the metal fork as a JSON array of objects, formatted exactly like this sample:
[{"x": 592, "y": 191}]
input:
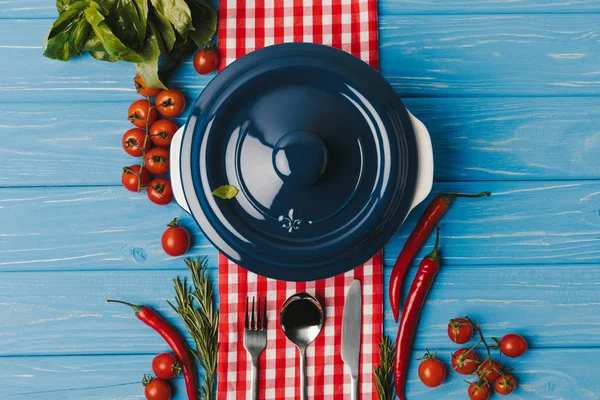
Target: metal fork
[{"x": 255, "y": 339}]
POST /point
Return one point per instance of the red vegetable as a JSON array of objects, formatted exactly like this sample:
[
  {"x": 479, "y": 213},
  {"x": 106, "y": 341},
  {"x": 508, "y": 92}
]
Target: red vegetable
[
  {"x": 414, "y": 303},
  {"x": 512, "y": 345},
  {"x": 432, "y": 214},
  {"x": 174, "y": 340}
]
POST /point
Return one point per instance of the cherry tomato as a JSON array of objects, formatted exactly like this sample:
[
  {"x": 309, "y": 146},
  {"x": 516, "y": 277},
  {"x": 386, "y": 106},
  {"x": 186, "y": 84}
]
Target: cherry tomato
[
  {"x": 506, "y": 384},
  {"x": 490, "y": 370},
  {"x": 479, "y": 391},
  {"x": 460, "y": 330},
  {"x": 142, "y": 112},
  {"x": 156, "y": 389},
  {"x": 432, "y": 371},
  {"x": 162, "y": 131},
  {"x": 513, "y": 345},
  {"x": 157, "y": 160},
  {"x": 170, "y": 103},
  {"x": 465, "y": 361},
  {"x": 142, "y": 88},
  {"x": 166, "y": 366},
  {"x": 175, "y": 240},
  {"x": 131, "y": 175},
  {"x": 206, "y": 60},
  {"x": 133, "y": 142},
  {"x": 160, "y": 191}
]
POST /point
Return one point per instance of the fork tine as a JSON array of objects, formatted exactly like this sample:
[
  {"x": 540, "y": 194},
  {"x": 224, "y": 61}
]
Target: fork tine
[
  {"x": 252, "y": 324},
  {"x": 258, "y": 316},
  {"x": 246, "y": 323},
  {"x": 265, "y": 314}
]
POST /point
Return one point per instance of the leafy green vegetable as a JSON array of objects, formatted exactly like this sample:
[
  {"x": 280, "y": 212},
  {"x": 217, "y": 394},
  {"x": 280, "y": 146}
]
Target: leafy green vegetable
[
  {"x": 151, "y": 52},
  {"x": 176, "y": 12},
  {"x": 111, "y": 43},
  {"x": 202, "y": 11},
  {"x": 154, "y": 34},
  {"x": 226, "y": 192}
]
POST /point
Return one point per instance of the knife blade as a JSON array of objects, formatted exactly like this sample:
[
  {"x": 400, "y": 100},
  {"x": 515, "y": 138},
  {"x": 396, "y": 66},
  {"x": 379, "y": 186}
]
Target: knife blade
[{"x": 351, "y": 332}]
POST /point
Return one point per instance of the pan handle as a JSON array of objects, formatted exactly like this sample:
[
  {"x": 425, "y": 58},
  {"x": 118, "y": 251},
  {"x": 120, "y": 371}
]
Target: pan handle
[
  {"x": 425, "y": 168},
  {"x": 175, "y": 168}
]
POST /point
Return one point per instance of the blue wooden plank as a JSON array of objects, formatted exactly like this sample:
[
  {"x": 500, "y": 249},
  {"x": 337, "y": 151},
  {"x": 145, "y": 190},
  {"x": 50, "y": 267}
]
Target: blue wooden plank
[
  {"x": 45, "y": 9},
  {"x": 542, "y": 374},
  {"x": 473, "y": 139},
  {"x": 422, "y": 56},
  {"x": 109, "y": 228},
  {"x": 54, "y": 313}
]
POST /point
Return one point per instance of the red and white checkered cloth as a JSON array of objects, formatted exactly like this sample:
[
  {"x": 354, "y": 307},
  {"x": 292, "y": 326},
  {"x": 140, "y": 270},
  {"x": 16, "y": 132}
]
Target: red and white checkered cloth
[
  {"x": 244, "y": 26},
  {"x": 279, "y": 377}
]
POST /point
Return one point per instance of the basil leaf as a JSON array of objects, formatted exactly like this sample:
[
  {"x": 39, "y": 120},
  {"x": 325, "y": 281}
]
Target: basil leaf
[
  {"x": 177, "y": 12},
  {"x": 204, "y": 18},
  {"x": 148, "y": 69},
  {"x": 111, "y": 43},
  {"x": 165, "y": 30},
  {"x": 127, "y": 19},
  {"x": 68, "y": 34},
  {"x": 62, "y": 5},
  {"x": 103, "y": 56},
  {"x": 226, "y": 192}
]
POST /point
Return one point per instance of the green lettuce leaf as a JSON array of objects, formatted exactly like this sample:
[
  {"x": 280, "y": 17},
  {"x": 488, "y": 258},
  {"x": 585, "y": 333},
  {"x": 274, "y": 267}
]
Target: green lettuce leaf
[
  {"x": 127, "y": 20},
  {"x": 205, "y": 22},
  {"x": 165, "y": 30},
  {"x": 68, "y": 33},
  {"x": 177, "y": 12},
  {"x": 148, "y": 69},
  {"x": 111, "y": 43}
]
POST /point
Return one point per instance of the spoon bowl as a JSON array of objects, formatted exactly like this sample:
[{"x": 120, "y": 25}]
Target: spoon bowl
[{"x": 301, "y": 319}]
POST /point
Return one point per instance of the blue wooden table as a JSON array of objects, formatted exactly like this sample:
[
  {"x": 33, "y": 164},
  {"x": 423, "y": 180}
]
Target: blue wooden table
[{"x": 510, "y": 93}]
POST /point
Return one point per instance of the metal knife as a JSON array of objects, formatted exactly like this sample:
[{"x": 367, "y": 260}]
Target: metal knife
[{"x": 351, "y": 331}]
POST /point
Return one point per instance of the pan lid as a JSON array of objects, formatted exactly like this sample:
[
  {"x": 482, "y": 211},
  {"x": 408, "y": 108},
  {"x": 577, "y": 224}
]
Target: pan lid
[{"x": 323, "y": 154}]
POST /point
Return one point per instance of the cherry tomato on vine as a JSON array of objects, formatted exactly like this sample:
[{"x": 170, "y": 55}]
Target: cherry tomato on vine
[
  {"x": 506, "y": 384},
  {"x": 133, "y": 142},
  {"x": 170, "y": 103},
  {"x": 465, "y": 361},
  {"x": 157, "y": 161},
  {"x": 141, "y": 112},
  {"x": 175, "y": 239},
  {"x": 479, "y": 391},
  {"x": 206, "y": 60},
  {"x": 512, "y": 345},
  {"x": 159, "y": 191},
  {"x": 432, "y": 371},
  {"x": 131, "y": 175},
  {"x": 142, "y": 88},
  {"x": 490, "y": 370},
  {"x": 156, "y": 388},
  {"x": 166, "y": 366},
  {"x": 460, "y": 330},
  {"x": 162, "y": 131}
]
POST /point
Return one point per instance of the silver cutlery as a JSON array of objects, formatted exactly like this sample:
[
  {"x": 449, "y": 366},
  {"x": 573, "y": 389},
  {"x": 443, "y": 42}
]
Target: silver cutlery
[
  {"x": 255, "y": 339},
  {"x": 351, "y": 333},
  {"x": 301, "y": 320}
]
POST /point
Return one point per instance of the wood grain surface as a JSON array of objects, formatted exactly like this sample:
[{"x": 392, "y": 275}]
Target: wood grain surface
[{"x": 510, "y": 93}]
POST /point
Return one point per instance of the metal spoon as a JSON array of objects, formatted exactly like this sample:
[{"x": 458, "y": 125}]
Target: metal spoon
[{"x": 301, "y": 318}]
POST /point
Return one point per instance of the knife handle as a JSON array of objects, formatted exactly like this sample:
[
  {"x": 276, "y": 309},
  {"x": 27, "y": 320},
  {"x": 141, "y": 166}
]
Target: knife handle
[{"x": 354, "y": 394}]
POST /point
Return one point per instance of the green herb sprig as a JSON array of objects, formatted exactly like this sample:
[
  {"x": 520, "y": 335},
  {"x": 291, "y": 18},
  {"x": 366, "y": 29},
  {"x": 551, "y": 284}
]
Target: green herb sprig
[
  {"x": 384, "y": 372},
  {"x": 195, "y": 304}
]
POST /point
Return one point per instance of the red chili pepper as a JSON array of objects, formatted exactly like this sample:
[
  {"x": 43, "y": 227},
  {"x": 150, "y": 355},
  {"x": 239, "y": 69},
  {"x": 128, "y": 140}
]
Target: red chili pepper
[
  {"x": 174, "y": 340},
  {"x": 431, "y": 216},
  {"x": 428, "y": 269}
]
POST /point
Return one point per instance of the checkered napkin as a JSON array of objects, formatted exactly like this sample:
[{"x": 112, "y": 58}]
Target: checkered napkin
[{"x": 244, "y": 26}]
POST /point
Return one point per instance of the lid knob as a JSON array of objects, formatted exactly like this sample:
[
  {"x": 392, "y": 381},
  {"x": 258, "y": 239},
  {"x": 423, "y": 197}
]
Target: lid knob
[{"x": 300, "y": 158}]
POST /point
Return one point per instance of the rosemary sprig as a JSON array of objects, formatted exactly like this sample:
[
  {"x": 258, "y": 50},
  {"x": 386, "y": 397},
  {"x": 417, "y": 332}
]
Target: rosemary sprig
[
  {"x": 384, "y": 372},
  {"x": 195, "y": 305}
]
